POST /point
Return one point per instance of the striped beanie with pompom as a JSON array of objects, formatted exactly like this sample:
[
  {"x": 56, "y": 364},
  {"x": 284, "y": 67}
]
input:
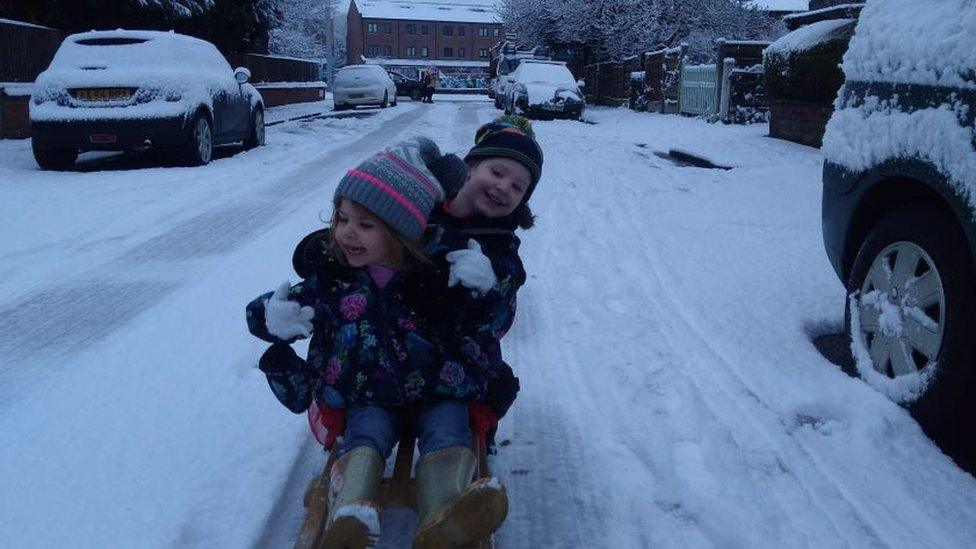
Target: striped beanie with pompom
[
  {"x": 510, "y": 137},
  {"x": 397, "y": 186}
]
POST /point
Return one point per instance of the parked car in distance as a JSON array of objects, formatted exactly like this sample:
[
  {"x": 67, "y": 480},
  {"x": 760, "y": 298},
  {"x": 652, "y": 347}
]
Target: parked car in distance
[
  {"x": 134, "y": 90},
  {"x": 544, "y": 89},
  {"x": 899, "y": 204},
  {"x": 406, "y": 86},
  {"x": 363, "y": 85}
]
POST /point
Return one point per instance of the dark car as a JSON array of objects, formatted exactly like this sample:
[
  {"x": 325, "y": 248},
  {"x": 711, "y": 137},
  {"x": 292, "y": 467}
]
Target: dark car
[
  {"x": 134, "y": 90},
  {"x": 406, "y": 86},
  {"x": 544, "y": 89},
  {"x": 898, "y": 207}
]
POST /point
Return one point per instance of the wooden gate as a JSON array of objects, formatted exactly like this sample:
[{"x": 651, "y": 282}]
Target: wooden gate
[{"x": 698, "y": 83}]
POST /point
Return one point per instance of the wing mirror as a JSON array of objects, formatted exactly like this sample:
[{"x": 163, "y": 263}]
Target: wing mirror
[
  {"x": 580, "y": 83},
  {"x": 242, "y": 75}
]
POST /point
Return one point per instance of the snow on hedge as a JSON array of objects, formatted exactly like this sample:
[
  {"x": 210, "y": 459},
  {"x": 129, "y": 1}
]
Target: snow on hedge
[
  {"x": 926, "y": 42},
  {"x": 810, "y": 36},
  {"x": 171, "y": 72}
]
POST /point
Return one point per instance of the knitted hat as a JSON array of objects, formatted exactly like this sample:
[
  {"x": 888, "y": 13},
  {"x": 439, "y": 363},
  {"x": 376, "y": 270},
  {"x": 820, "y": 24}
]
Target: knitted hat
[
  {"x": 510, "y": 137},
  {"x": 396, "y": 186}
]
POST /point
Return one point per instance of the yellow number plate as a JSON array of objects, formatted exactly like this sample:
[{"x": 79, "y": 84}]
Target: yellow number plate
[{"x": 104, "y": 94}]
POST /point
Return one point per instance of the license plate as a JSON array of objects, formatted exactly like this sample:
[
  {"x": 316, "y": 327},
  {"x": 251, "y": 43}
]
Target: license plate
[
  {"x": 103, "y": 138},
  {"x": 104, "y": 94},
  {"x": 357, "y": 95},
  {"x": 550, "y": 107}
]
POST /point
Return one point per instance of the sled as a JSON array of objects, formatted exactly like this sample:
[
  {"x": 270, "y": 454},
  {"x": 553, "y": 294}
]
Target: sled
[{"x": 398, "y": 490}]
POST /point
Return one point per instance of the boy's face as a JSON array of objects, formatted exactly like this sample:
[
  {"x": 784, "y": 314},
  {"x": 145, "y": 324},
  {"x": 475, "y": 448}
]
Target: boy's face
[
  {"x": 364, "y": 239},
  {"x": 496, "y": 186}
]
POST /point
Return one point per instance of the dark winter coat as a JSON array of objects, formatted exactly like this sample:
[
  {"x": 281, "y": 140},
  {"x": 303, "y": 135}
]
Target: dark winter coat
[{"x": 369, "y": 345}]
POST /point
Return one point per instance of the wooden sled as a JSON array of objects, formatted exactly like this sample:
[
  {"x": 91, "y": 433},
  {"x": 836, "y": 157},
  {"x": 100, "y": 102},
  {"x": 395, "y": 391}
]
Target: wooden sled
[{"x": 400, "y": 490}]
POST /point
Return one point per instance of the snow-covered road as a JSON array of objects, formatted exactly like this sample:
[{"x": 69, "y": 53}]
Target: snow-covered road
[{"x": 671, "y": 395}]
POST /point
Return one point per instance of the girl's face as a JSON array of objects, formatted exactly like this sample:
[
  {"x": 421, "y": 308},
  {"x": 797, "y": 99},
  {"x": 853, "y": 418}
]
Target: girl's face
[
  {"x": 495, "y": 186},
  {"x": 363, "y": 238}
]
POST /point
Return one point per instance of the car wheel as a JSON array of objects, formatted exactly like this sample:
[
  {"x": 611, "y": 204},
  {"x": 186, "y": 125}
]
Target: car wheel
[
  {"x": 386, "y": 100},
  {"x": 54, "y": 159},
  {"x": 508, "y": 106},
  {"x": 394, "y": 104},
  {"x": 255, "y": 135},
  {"x": 910, "y": 313},
  {"x": 339, "y": 107},
  {"x": 415, "y": 95},
  {"x": 199, "y": 149}
]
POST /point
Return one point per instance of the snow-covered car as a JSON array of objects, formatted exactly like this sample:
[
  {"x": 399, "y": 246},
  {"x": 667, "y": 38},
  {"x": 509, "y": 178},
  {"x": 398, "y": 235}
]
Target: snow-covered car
[
  {"x": 134, "y": 90},
  {"x": 899, "y": 199},
  {"x": 544, "y": 89},
  {"x": 363, "y": 85}
]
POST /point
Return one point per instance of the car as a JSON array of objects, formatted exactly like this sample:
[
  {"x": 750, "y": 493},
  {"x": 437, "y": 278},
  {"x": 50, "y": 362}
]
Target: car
[
  {"x": 127, "y": 90},
  {"x": 544, "y": 89},
  {"x": 363, "y": 85},
  {"x": 406, "y": 86},
  {"x": 899, "y": 207}
]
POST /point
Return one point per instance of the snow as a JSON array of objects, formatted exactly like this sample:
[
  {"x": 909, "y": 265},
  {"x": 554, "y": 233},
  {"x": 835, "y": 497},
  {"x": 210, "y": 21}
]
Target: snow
[
  {"x": 176, "y": 73},
  {"x": 670, "y": 392},
  {"x": 459, "y": 11},
  {"x": 862, "y": 135},
  {"x": 810, "y": 36},
  {"x": 780, "y": 5}
]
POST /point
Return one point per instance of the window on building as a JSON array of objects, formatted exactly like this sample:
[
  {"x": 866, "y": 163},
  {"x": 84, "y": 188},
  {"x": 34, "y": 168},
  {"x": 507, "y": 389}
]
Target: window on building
[
  {"x": 461, "y": 30},
  {"x": 411, "y": 51},
  {"x": 461, "y": 53},
  {"x": 424, "y": 29},
  {"x": 411, "y": 28},
  {"x": 387, "y": 28},
  {"x": 495, "y": 32},
  {"x": 372, "y": 51},
  {"x": 448, "y": 52},
  {"x": 483, "y": 52},
  {"x": 372, "y": 27},
  {"x": 448, "y": 30},
  {"x": 482, "y": 31},
  {"x": 387, "y": 51},
  {"x": 424, "y": 52}
]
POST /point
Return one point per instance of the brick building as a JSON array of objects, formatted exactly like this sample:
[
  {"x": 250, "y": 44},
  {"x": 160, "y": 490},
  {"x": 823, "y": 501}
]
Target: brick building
[{"x": 454, "y": 35}]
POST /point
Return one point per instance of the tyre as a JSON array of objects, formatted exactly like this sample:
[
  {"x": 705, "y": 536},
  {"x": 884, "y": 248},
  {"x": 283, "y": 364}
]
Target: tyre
[
  {"x": 54, "y": 159},
  {"x": 255, "y": 134},
  {"x": 394, "y": 104},
  {"x": 386, "y": 100},
  {"x": 508, "y": 106},
  {"x": 339, "y": 107},
  {"x": 498, "y": 103},
  {"x": 910, "y": 313},
  {"x": 199, "y": 149},
  {"x": 415, "y": 94}
]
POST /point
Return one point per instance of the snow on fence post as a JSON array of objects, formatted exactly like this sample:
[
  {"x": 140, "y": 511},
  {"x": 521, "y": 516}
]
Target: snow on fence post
[{"x": 725, "y": 88}]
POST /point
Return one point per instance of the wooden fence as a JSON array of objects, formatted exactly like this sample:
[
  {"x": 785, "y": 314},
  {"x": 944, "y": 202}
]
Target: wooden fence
[
  {"x": 26, "y": 50},
  {"x": 608, "y": 83},
  {"x": 270, "y": 68},
  {"x": 658, "y": 89},
  {"x": 698, "y": 87}
]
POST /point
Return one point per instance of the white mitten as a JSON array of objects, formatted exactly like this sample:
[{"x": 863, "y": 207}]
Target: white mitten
[
  {"x": 471, "y": 268},
  {"x": 287, "y": 319}
]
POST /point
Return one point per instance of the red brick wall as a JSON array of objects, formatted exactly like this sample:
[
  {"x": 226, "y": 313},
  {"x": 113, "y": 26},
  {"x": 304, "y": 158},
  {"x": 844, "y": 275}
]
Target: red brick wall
[
  {"x": 16, "y": 117},
  {"x": 354, "y": 35},
  {"x": 799, "y": 122}
]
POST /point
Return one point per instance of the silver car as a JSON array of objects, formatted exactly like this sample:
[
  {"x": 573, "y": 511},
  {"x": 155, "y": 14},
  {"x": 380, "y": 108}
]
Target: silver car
[{"x": 363, "y": 85}]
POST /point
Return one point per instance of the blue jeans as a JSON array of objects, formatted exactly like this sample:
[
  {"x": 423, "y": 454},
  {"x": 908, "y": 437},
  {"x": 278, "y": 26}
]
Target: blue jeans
[{"x": 440, "y": 425}]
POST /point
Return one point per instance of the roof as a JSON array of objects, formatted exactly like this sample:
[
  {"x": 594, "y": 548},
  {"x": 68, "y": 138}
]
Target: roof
[
  {"x": 781, "y": 5},
  {"x": 456, "y": 11},
  {"x": 424, "y": 62}
]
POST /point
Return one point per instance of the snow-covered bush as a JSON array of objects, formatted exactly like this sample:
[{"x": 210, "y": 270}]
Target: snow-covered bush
[{"x": 804, "y": 64}]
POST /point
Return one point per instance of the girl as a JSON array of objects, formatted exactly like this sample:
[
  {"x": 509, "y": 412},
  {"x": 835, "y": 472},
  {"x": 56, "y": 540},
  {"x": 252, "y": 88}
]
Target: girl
[{"x": 373, "y": 310}]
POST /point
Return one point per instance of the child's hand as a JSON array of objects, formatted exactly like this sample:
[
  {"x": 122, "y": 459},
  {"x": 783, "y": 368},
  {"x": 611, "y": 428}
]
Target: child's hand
[
  {"x": 471, "y": 268},
  {"x": 287, "y": 319}
]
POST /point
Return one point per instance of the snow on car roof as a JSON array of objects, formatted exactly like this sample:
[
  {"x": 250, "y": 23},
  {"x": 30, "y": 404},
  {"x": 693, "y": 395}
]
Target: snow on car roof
[
  {"x": 781, "y": 5},
  {"x": 457, "y": 11},
  {"x": 810, "y": 36}
]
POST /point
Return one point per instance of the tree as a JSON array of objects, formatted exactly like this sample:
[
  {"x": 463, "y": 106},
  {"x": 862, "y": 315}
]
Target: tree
[
  {"x": 610, "y": 29},
  {"x": 302, "y": 29}
]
